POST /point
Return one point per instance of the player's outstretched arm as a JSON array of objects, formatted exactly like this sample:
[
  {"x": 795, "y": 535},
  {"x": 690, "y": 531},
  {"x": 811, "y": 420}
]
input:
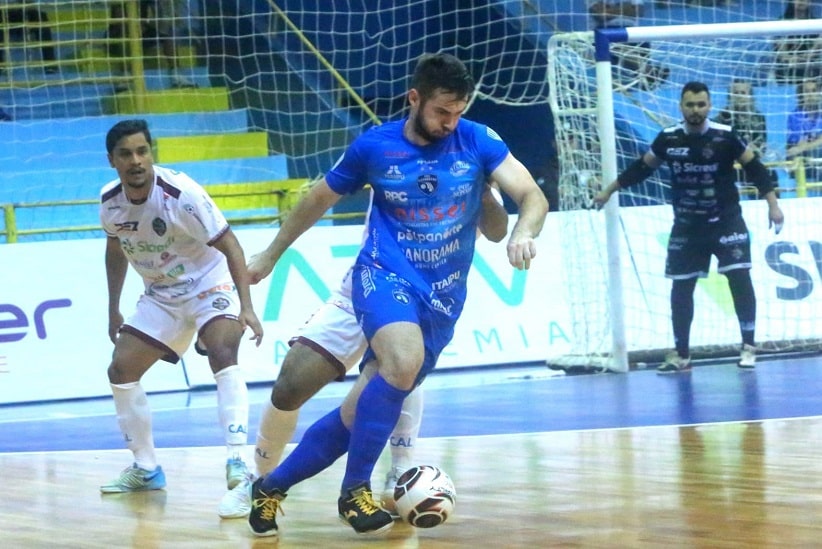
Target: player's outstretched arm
[
  {"x": 307, "y": 211},
  {"x": 603, "y": 196},
  {"x": 515, "y": 181},
  {"x": 230, "y": 247},
  {"x": 776, "y": 218},
  {"x": 637, "y": 172},
  {"x": 116, "y": 267},
  {"x": 758, "y": 174}
]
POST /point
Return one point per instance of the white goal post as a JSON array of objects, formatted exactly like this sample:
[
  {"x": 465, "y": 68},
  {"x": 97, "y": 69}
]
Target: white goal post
[{"x": 621, "y": 312}]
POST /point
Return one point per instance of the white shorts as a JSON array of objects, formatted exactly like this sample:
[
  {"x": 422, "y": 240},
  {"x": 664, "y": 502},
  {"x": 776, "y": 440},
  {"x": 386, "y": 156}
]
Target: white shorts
[
  {"x": 172, "y": 326},
  {"x": 333, "y": 332}
]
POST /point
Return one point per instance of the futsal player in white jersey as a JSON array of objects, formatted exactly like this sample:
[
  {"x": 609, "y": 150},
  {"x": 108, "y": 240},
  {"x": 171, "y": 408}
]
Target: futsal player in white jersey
[
  {"x": 167, "y": 227},
  {"x": 327, "y": 346}
]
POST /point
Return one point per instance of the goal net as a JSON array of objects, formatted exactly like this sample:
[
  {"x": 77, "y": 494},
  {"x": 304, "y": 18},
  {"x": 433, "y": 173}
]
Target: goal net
[
  {"x": 282, "y": 85},
  {"x": 605, "y": 117}
]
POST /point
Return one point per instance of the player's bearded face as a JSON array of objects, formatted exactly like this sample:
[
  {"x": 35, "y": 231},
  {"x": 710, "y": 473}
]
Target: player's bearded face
[
  {"x": 695, "y": 108},
  {"x": 133, "y": 160},
  {"x": 436, "y": 117}
]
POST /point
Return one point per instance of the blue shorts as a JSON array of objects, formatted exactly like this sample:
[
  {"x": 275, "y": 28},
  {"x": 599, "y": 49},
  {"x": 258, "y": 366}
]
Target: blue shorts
[{"x": 382, "y": 298}]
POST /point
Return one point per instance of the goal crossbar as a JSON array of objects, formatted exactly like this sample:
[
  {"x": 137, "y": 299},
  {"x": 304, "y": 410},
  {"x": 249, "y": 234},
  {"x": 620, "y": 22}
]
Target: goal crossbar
[{"x": 604, "y": 37}]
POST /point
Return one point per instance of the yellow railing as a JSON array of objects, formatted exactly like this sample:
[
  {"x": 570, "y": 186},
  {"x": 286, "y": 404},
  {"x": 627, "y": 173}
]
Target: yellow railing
[
  {"x": 91, "y": 46},
  {"x": 239, "y": 200},
  {"x": 235, "y": 198},
  {"x": 797, "y": 167}
]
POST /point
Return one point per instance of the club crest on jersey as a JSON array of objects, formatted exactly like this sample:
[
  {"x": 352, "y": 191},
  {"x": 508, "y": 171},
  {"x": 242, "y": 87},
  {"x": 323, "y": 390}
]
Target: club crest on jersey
[
  {"x": 707, "y": 153},
  {"x": 159, "y": 226},
  {"x": 220, "y": 304},
  {"x": 427, "y": 183},
  {"x": 401, "y": 296}
]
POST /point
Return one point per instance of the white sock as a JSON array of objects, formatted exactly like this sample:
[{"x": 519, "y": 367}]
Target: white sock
[
  {"x": 404, "y": 437},
  {"x": 134, "y": 418},
  {"x": 232, "y": 407},
  {"x": 276, "y": 430}
]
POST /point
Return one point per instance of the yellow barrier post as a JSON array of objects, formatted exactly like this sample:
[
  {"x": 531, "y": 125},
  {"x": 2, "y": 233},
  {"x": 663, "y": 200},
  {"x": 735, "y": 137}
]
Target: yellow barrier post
[
  {"x": 799, "y": 175},
  {"x": 5, "y": 27},
  {"x": 135, "y": 40},
  {"x": 11, "y": 223}
]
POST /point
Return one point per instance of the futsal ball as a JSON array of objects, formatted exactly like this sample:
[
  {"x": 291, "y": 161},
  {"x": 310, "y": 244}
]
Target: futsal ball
[{"x": 425, "y": 496}]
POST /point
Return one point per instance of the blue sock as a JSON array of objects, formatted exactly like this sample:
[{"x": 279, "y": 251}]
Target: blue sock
[
  {"x": 322, "y": 444},
  {"x": 378, "y": 410}
]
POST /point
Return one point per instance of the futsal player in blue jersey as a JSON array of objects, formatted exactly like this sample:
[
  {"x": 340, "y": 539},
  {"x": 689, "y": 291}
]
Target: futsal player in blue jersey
[{"x": 428, "y": 173}]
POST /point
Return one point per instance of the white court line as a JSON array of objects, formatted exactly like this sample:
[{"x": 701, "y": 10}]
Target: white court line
[
  {"x": 204, "y": 399},
  {"x": 529, "y": 434}
]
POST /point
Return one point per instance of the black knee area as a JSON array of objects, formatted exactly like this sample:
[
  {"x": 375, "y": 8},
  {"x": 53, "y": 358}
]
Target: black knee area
[
  {"x": 742, "y": 291},
  {"x": 682, "y": 292},
  {"x": 740, "y": 283}
]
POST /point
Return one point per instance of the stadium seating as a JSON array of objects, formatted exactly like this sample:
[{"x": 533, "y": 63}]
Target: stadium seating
[
  {"x": 59, "y": 126},
  {"x": 54, "y": 149}
]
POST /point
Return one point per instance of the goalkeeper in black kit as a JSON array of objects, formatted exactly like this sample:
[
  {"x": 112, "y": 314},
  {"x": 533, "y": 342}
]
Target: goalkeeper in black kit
[{"x": 707, "y": 216}]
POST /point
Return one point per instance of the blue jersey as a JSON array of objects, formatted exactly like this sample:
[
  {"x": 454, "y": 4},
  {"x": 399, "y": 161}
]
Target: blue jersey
[
  {"x": 804, "y": 125},
  {"x": 426, "y": 203}
]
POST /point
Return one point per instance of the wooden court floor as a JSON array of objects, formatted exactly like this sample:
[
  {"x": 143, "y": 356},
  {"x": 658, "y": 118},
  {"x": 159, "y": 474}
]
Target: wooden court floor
[
  {"x": 712, "y": 458},
  {"x": 734, "y": 484}
]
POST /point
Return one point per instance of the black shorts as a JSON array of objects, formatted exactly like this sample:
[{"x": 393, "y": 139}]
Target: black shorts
[{"x": 690, "y": 248}]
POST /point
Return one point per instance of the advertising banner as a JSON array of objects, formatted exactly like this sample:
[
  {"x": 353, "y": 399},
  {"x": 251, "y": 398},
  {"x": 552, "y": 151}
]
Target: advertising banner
[{"x": 53, "y": 310}]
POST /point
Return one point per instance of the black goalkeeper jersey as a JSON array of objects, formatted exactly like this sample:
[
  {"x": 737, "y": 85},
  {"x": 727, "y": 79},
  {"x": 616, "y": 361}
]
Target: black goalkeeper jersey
[{"x": 703, "y": 187}]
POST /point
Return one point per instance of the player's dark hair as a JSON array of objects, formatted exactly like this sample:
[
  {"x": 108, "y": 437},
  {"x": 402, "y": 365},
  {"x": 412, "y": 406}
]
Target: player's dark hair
[
  {"x": 695, "y": 87},
  {"x": 124, "y": 128},
  {"x": 442, "y": 71}
]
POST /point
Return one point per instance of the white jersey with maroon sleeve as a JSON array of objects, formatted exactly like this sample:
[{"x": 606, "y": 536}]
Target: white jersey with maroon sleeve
[{"x": 168, "y": 238}]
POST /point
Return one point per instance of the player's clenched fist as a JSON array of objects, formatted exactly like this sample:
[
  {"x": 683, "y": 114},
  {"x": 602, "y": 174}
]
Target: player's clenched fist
[
  {"x": 521, "y": 250},
  {"x": 259, "y": 266}
]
